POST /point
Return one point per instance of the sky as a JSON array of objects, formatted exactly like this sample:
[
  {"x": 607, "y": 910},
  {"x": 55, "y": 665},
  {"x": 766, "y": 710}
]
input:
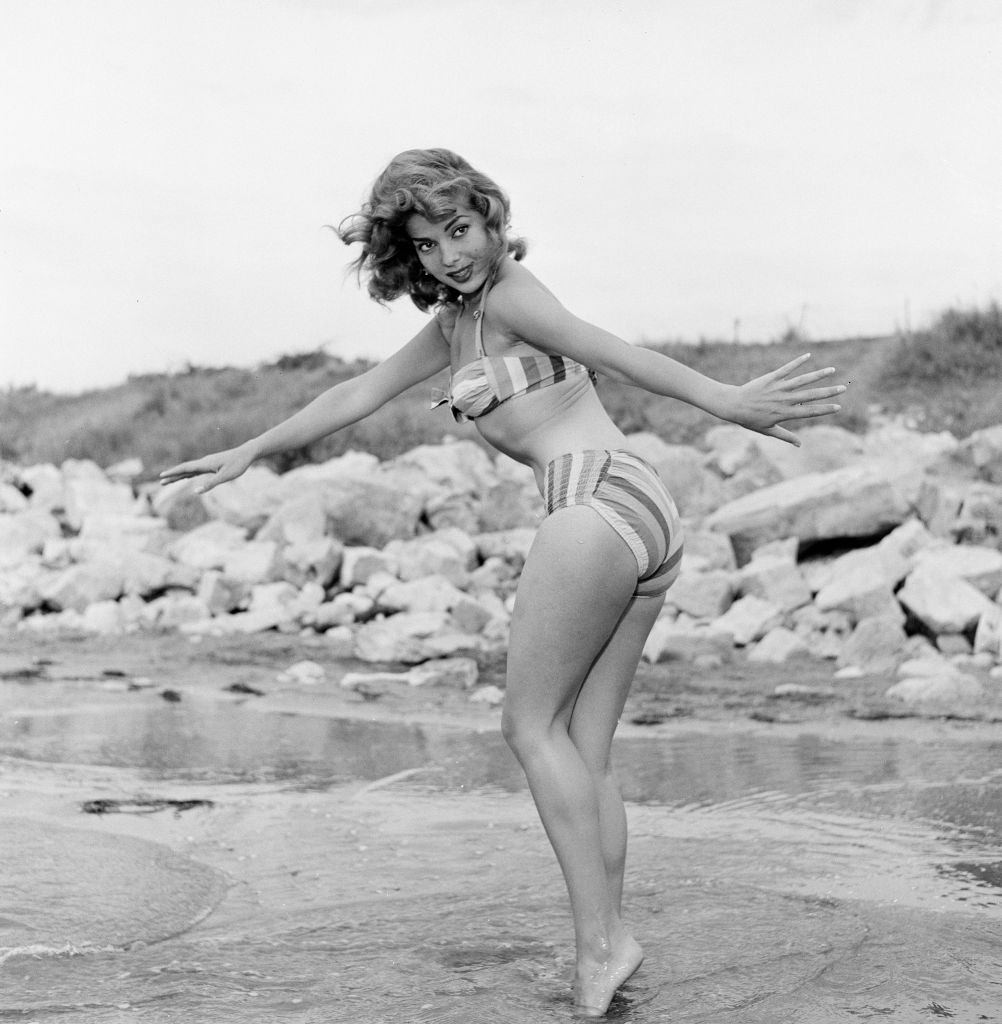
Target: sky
[{"x": 683, "y": 169}]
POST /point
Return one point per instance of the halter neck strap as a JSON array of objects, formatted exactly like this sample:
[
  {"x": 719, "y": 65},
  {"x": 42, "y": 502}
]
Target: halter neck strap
[{"x": 478, "y": 317}]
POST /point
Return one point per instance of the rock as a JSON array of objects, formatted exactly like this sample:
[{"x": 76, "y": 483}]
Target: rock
[
  {"x": 683, "y": 639},
  {"x": 455, "y": 465},
  {"x": 221, "y": 594},
  {"x": 910, "y": 447},
  {"x": 350, "y": 466},
  {"x": 748, "y": 619},
  {"x": 45, "y": 482},
  {"x": 459, "y": 673},
  {"x": 953, "y": 644},
  {"x": 980, "y": 566},
  {"x": 511, "y": 546},
  {"x": 402, "y": 638},
  {"x": 208, "y": 546},
  {"x": 453, "y": 510},
  {"x": 86, "y": 494},
  {"x": 12, "y": 500},
  {"x": 492, "y": 696},
  {"x": 949, "y": 693},
  {"x": 773, "y": 575},
  {"x": 175, "y": 610},
  {"x": 312, "y": 561},
  {"x": 742, "y": 455},
  {"x": 105, "y": 618},
  {"x": 450, "y": 642},
  {"x": 146, "y": 574},
  {"x": 860, "y": 592},
  {"x": 779, "y": 646},
  {"x": 360, "y": 564},
  {"x": 988, "y": 634},
  {"x": 81, "y": 585},
  {"x": 180, "y": 506},
  {"x": 303, "y": 673},
  {"x": 249, "y": 501},
  {"x": 300, "y": 519},
  {"x": 823, "y": 448},
  {"x": 703, "y": 595},
  {"x": 858, "y": 501},
  {"x": 373, "y": 685},
  {"x": 982, "y": 453},
  {"x": 370, "y": 513},
  {"x": 127, "y": 471},
  {"x": 255, "y": 562},
  {"x": 448, "y": 553},
  {"x": 876, "y": 645},
  {"x": 508, "y": 505},
  {"x": 23, "y": 535},
  {"x": 342, "y": 610},
  {"x": 939, "y": 502},
  {"x": 427, "y": 594},
  {"x": 706, "y": 550},
  {"x": 942, "y": 603},
  {"x": 979, "y": 520},
  {"x": 139, "y": 532}
]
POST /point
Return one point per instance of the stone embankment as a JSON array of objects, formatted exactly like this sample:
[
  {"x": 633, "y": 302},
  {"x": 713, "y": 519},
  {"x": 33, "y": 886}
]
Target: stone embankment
[{"x": 882, "y": 553}]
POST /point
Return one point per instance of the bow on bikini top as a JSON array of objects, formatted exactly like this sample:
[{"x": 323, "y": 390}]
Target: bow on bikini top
[{"x": 480, "y": 386}]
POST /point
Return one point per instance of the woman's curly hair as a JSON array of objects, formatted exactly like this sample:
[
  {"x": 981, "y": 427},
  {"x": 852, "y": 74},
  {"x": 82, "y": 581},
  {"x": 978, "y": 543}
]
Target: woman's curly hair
[{"x": 428, "y": 182}]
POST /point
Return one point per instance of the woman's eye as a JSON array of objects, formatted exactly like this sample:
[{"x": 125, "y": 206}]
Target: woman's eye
[
  {"x": 460, "y": 231},
  {"x": 424, "y": 246}
]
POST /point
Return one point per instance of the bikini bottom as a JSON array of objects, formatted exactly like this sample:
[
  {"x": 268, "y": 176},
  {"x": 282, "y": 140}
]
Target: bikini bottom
[{"x": 629, "y": 495}]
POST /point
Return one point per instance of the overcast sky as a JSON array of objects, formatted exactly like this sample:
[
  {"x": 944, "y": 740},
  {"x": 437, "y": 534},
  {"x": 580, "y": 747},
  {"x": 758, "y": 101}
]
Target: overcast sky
[{"x": 681, "y": 168}]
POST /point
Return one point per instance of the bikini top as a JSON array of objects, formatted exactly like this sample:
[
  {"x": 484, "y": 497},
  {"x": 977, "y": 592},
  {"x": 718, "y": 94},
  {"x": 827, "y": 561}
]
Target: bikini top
[{"x": 483, "y": 384}]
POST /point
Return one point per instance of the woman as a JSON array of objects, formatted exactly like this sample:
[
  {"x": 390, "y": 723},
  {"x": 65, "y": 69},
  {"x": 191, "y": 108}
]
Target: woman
[{"x": 610, "y": 546}]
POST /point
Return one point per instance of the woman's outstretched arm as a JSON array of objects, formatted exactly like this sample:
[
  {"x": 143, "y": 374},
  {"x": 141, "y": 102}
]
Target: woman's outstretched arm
[
  {"x": 338, "y": 407},
  {"x": 532, "y": 314}
]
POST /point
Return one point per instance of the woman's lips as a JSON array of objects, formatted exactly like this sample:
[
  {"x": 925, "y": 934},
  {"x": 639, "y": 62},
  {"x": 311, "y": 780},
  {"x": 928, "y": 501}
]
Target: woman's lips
[{"x": 462, "y": 276}]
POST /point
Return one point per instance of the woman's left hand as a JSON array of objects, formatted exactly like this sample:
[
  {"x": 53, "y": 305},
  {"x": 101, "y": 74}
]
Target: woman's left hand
[{"x": 767, "y": 401}]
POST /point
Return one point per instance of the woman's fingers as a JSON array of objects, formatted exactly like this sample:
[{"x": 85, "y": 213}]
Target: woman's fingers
[{"x": 185, "y": 470}]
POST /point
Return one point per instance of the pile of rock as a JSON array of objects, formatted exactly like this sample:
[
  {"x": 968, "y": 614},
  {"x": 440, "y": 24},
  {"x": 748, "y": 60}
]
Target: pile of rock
[{"x": 875, "y": 551}]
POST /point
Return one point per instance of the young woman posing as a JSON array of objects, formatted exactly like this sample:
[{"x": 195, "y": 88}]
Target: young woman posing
[{"x": 610, "y": 546}]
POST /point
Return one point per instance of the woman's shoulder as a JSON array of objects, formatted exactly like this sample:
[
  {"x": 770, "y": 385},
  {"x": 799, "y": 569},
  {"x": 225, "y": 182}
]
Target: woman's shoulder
[{"x": 516, "y": 285}]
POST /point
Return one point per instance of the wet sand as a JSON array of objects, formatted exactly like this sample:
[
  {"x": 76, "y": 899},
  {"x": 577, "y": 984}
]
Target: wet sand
[{"x": 410, "y": 896}]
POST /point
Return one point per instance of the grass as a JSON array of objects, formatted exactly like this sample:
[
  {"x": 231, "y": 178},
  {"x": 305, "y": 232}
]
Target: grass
[{"x": 943, "y": 378}]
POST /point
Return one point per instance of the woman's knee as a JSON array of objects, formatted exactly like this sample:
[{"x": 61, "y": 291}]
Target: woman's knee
[{"x": 524, "y": 733}]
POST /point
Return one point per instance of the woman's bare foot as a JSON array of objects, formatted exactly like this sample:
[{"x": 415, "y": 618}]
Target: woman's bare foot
[{"x": 596, "y": 980}]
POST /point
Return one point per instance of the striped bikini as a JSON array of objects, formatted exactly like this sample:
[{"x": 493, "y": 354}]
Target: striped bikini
[
  {"x": 623, "y": 489},
  {"x": 629, "y": 495},
  {"x": 482, "y": 385}
]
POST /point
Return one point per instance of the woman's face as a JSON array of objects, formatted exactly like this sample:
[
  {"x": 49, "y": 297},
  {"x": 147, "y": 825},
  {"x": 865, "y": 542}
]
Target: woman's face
[{"x": 458, "y": 250}]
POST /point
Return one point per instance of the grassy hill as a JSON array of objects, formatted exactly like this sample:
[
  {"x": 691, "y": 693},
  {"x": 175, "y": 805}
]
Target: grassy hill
[{"x": 945, "y": 378}]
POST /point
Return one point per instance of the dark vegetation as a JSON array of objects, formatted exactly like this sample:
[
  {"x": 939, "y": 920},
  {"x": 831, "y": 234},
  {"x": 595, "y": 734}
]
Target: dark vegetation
[{"x": 946, "y": 377}]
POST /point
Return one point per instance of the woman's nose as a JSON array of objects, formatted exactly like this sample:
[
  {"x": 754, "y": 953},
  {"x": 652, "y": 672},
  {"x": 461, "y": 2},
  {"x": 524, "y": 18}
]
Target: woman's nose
[{"x": 450, "y": 255}]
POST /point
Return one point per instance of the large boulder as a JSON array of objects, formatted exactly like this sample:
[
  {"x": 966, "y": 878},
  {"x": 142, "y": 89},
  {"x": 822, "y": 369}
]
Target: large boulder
[
  {"x": 943, "y": 603},
  {"x": 859, "y": 501},
  {"x": 87, "y": 491}
]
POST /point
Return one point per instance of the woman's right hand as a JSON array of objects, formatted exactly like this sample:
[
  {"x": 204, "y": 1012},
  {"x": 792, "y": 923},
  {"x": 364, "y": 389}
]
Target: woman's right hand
[{"x": 223, "y": 466}]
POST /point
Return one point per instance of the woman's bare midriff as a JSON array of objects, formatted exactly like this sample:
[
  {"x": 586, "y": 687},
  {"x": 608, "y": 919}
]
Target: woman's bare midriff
[{"x": 535, "y": 428}]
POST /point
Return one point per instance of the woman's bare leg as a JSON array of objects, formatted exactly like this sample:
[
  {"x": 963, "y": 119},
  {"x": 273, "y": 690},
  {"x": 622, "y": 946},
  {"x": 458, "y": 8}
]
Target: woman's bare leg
[
  {"x": 593, "y": 724},
  {"x": 575, "y": 588}
]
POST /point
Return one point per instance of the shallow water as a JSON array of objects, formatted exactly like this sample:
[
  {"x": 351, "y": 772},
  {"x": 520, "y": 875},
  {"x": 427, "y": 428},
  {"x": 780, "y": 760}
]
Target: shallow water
[{"x": 773, "y": 877}]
